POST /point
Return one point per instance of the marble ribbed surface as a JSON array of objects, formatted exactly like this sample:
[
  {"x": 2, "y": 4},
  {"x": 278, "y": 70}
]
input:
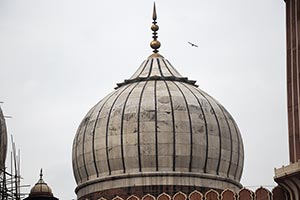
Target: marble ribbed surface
[
  {"x": 157, "y": 121},
  {"x": 3, "y": 140}
]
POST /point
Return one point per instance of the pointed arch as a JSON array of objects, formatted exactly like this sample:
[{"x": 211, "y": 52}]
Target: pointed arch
[
  {"x": 101, "y": 198},
  {"x": 132, "y": 197},
  {"x": 212, "y": 195},
  {"x": 148, "y": 197},
  {"x": 228, "y": 195},
  {"x": 117, "y": 198},
  {"x": 196, "y": 195},
  {"x": 263, "y": 193},
  {"x": 245, "y": 194},
  {"x": 278, "y": 193},
  {"x": 179, "y": 196},
  {"x": 164, "y": 196}
]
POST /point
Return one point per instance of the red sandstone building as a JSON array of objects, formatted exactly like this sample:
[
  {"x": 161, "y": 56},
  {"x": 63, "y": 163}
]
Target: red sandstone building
[{"x": 289, "y": 176}]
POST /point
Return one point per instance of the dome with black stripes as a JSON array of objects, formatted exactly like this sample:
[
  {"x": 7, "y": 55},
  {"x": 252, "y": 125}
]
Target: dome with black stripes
[
  {"x": 156, "y": 132},
  {"x": 157, "y": 128}
]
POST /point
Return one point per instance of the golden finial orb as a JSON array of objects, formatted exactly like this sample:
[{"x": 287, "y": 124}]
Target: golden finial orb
[
  {"x": 154, "y": 27},
  {"x": 155, "y": 44}
]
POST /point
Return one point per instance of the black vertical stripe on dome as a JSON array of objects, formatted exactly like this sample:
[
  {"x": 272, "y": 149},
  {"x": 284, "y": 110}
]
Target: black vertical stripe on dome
[
  {"x": 156, "y": 137},
  {"x": 138, "y": 126},
  {"x": 122, "y": 124},
  {"x": 219, "y": 130},
  {"x": 94, "y": 131},
  {"x": 173, "y": 126},
  {"x": 173, "y": 68},
  {"x": 155, "y": 99},
  {"x": 230, "y": 134},
  {"x": 83, "y": 141},
  {"x": 138, "y": 120},
  {"x": 159, "y": 67},
  {"x": 167, "y": 67},
  {"x": 206, "y": 130},
  {"x": 106, "y": 132},
  {"x": 83, "y": 138},
  {"x": 143, "y": 68},
  {"x": 173, "y": 118},
  {"x": 150, "y": 70},
  {"x": 191, "y": 127},
  {"x": 75, "y": 149},
  {"x": 238, "y": 140}
]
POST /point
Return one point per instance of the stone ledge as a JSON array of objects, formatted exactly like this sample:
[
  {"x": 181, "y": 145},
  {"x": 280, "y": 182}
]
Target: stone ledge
[{"x": 287, "y": 170}]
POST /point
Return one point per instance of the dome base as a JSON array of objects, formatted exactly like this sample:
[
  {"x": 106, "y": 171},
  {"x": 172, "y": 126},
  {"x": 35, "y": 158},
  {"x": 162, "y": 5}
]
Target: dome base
[{"x": 153, "y": 183}]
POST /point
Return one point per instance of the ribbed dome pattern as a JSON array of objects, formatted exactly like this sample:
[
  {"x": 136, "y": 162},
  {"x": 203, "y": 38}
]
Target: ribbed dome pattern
[
  {"x": 41, "y": 189},
  {"x": 157, "y": 124},
  {"x": 3, "y": 140}
]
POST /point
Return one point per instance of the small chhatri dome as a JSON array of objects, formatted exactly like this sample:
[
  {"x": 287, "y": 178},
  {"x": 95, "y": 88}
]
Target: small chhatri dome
[
  {"x": 156, "y": 132},
  {"x": 41, "y": 190},
  {"x": 3, "y": 140}
]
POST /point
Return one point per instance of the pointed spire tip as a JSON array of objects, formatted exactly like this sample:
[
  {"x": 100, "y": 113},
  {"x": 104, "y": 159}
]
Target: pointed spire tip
[
  {"x": 154, "y": 15},
  {"x": 41, "y": 173}
]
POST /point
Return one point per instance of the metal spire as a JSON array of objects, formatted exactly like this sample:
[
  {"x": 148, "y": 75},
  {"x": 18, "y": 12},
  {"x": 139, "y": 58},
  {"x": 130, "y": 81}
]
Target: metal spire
[
  {"x": 41, "y": 174},
  {"x": 155, "y": 44}
]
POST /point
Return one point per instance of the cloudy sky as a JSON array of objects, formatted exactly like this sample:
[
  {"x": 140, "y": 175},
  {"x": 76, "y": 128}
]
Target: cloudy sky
[{"x": 58, "y": 58}]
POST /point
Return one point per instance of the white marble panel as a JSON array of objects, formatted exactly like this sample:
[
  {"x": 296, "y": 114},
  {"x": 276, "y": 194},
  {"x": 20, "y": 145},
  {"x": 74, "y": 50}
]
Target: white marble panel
[
  {"x": 139, "y": 70},
  {"x": 116, "y": 165},
  {"x": 164, "y": 69},
  {"x": 172, "y": 69},
  {"x": 212, "y": 165},
  {"x": 147, "y": 127},
  {"x": 148, "y": 162},
  {"x": 155, "y": 70},
  {"x": 165, "y": 137},
  {"x": 146, "y": 70},
  {"x": 165, "y": 163},
  {"x": 131, "y": 164}
]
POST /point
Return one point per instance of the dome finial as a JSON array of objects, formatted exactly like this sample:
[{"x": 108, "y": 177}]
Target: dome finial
[
  {"x": 155, "y": 44},
  {"x": 41, "y": 174}
]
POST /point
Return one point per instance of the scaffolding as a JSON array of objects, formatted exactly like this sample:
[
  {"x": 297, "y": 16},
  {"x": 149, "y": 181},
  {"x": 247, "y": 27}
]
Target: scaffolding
[{"x": 10, "y": 180}]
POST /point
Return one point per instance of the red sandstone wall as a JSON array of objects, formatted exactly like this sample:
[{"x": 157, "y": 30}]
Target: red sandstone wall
[{"x": 293, "y": 76}]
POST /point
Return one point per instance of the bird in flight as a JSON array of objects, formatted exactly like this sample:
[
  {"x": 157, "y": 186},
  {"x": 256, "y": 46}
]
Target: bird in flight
[{"x": 193, "y": 45}]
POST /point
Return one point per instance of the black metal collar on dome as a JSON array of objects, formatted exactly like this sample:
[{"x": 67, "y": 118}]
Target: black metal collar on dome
[{"x": 169, "y": 78}]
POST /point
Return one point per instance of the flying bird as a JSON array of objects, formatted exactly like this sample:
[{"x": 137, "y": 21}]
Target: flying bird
[{"x": 193, "y": 45}]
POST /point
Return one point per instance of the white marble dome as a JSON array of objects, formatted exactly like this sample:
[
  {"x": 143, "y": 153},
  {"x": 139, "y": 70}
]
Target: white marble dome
[
  {"x": 157, "y": 128},
  {"x": 3, "y": 140},
  {"x": 41, "y": 191}
]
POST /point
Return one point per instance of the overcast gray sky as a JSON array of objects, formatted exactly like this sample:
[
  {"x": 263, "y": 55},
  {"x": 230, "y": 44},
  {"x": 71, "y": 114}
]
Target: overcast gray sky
[{"x": 58, "y": 58}]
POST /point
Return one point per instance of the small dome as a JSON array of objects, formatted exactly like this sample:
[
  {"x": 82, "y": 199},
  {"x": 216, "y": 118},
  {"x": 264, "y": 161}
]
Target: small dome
[
  {"x": 41, "y": 189},
  {"x": 156, "y": 129},
  {"x": 3, "y": 140}
]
